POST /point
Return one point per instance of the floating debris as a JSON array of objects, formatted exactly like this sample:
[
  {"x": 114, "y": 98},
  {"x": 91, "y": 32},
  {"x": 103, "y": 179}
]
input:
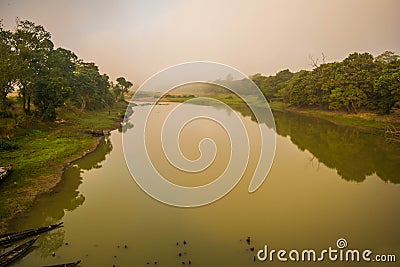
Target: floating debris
[
  {"x": 248, "y": 240},
  {"x": 70, "y": 264}
]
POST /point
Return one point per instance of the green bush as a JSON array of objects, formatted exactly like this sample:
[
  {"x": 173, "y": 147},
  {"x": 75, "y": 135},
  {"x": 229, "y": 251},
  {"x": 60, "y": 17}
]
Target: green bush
[
  {"x": 7, "y": 145},
  {"x": 5, "y": 114}
]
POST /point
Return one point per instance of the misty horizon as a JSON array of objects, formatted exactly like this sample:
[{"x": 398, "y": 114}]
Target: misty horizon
[{"x": 140, "y": 38}]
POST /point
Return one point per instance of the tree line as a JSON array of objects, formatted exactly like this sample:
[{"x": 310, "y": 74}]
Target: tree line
[
  {"x": 358, "y": 82},
  {"x": 47, "y": 78}
]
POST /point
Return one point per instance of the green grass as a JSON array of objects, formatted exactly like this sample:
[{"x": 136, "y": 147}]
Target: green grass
[
  {"x": 352, "y": 121},
  {"x": 277, "y": 105},
  {"x": 363, "y": 120},
  {"x": 44, "y": 148},
  {"x": 355, "y": 120},
  {"x": 96, "y": 120},
  {"x": 230, "y": 99}
]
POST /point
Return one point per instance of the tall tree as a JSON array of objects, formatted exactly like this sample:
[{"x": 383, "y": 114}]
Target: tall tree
[
  {"x": 55, "y": 84},
  {"x": 48, "y": 96},
  {"x": 116, "y": 90},
  {"x": 32, "y": 44},
  {"x": 387, "y": 57},
  {"x": 124, "y": 85},
  {"x": 47, "y": 77},
  {"x": 7, "y": 66},
  {"x": 90, "y": 87},
  {"x": 387, "y": 86}
]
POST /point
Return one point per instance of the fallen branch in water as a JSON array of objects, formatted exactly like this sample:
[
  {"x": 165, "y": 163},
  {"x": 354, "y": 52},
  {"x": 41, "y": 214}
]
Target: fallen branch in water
[{"x": 392, "y": 133}]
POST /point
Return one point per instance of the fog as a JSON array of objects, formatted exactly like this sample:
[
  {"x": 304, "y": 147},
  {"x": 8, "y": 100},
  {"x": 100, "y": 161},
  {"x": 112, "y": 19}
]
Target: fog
[{"x": 136, "y": 39}]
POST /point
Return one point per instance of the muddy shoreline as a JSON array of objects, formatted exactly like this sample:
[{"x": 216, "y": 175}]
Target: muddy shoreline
[{"x": 51, "y": 182}]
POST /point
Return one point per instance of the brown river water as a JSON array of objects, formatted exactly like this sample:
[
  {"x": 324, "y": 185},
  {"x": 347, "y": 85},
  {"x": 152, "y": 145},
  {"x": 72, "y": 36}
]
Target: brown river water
[{"x": 327, "y": 182}]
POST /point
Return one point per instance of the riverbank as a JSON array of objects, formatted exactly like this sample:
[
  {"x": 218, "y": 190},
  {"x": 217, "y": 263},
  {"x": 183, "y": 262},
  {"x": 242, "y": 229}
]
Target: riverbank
[
  {"x": 362, "y": 119},
  {"x": 44, "y": 150}
]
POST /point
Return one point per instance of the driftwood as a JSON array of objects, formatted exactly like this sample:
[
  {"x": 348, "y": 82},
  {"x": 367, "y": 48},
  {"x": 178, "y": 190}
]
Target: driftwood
[
  {"x": 70, "y": 264},
  {"x": 5, "y": 172},
  {"x": 98, "y": 132},
  {"x": 392, "y": 133}
]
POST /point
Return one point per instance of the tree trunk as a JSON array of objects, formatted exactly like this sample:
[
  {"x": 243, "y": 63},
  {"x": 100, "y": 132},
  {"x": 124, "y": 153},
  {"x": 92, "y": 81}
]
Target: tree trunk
[
  {"x": 24, "y": 101},
  {"x": 3, "y": 101},
  {"x": 354, "y": 107},
  {"x": 83, "y": 104},
  {"x": 29, "y": 104},
  {"x": 348, "y": 108}
]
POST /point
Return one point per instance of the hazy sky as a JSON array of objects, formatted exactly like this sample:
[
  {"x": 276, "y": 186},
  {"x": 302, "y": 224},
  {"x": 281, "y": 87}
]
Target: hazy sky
[{"x": 136, "y": 39}]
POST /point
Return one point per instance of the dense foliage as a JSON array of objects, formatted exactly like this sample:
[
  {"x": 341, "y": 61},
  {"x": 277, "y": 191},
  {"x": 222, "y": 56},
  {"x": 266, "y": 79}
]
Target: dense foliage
[
  {"x": 7, "y": 145},
  {"x": 47, "y": 78},
  {"x": 358, "y": 82}
]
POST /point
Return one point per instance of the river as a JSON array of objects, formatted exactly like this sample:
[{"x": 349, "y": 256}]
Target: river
[{"x": 327, "y": 182}]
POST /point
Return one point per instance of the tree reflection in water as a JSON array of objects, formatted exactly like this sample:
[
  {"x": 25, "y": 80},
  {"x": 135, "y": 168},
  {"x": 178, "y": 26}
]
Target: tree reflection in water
[
  {"x": 354, "y": 153},
  {"x": 64, "y": 197}
]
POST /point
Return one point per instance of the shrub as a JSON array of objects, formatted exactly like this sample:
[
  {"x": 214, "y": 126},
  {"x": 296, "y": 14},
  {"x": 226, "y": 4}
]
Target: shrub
[{"x": 7, "y": 145}]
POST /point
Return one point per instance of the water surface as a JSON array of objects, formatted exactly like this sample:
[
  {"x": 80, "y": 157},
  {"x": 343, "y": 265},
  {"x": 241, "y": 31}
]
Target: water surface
[{"x": 327, "y": 182}]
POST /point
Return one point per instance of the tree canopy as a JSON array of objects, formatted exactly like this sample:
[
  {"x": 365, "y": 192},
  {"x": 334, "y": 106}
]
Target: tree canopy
[
  {"x": 358, "y": 82},
  {"x": 46, "y": 77}
]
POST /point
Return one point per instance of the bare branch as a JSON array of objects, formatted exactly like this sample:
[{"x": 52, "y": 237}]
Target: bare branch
[{"x": 314, "y": 63}]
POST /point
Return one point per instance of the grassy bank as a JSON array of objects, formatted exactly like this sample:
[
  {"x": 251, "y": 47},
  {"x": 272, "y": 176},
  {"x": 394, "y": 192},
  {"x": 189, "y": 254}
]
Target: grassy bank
[
  {"x": 43, "y": 151},
  {"x": 361, "y": 119},
  {"x": 227, "y": 99}
]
